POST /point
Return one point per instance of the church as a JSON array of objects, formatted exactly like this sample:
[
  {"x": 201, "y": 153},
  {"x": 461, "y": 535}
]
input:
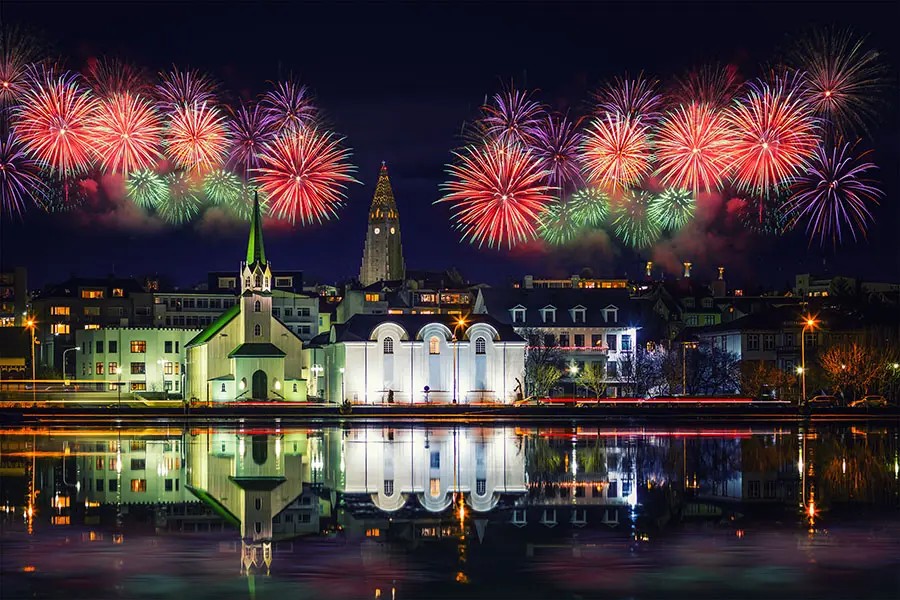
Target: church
[
  {"x": 247, "y": 354},
  {"x": 382, "y": 253}
]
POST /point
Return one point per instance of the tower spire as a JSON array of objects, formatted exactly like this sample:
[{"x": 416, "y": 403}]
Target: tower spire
[
  {"x": 256, "y": 253},
  {"x": 382, "y": 253}
]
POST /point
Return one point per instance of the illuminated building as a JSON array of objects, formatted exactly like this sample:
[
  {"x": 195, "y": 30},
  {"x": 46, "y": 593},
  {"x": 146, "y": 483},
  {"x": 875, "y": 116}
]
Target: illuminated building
[
  {"x": 382, "y": 253},
  {"x": 13, "y": 297}
]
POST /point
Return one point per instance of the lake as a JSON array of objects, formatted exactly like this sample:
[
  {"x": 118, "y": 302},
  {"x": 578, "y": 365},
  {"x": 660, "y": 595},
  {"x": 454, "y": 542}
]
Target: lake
[{"x": 261, "y": 510}]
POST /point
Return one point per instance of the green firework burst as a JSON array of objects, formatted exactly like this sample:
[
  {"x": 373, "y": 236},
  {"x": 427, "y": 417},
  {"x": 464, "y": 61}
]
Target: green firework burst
[
  {"x": 222, "y": 188},
  {"x": 672, "y": 209},
  {"x": 631, "y": 220},
  {"x": 589, "y": 207},
  {"x": 557, "y": 226},
  {"x": 146, "y": 188},
  {"x": 182, "y": 202}
]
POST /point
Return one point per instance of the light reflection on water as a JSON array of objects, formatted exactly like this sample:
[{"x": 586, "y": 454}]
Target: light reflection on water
[{"x": 444, "y": 511}]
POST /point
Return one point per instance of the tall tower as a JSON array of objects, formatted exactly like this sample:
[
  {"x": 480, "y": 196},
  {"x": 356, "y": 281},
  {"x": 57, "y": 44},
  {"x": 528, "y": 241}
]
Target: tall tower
[
  {"x": 256, "y": 284},
  {"x": 382, "y": 254}
]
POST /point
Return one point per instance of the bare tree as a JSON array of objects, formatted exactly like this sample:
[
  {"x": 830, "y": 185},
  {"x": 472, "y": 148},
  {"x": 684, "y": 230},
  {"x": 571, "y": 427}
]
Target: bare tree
[{"x": 543, "y": 353}]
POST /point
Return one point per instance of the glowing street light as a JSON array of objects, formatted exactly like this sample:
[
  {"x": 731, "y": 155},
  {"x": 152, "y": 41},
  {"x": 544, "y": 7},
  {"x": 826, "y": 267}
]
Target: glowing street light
[
  {"x": 809, "y": 322},
  {"x": 460, "y": 322}
]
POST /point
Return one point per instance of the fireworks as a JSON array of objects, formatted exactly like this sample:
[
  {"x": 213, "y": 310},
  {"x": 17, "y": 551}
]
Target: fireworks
[
  {"x": 289, "y": 106},
  {"x": 775, "y": 134},
  {"x": 631, "y": 220},
  {"x": 251, "y": 130},
  {"x": 222, "y": 187},
  {"x": 242, "y": 206},
  {"x": 19, "y": 177},
  {"x": 127, "y": 133},
  {"x": 198, "y": 138},
  {"x": 184, "y": 89},
  {"x": 17, "y": 50},
  {"x": 616, "y": 152},
  {"x": 556, "y": 145},
  {"x": 110, "y": 77},
  {"x": 843, "y": 80},
  {"x": 498, "y": 192},
  {"x": 305, "y": 173},
  {"x": 636, "y": 100},
  {"x": 713, "y": 85},
  {"x": 182, "y": 202},
  {"x": 833, "y": 194},
  {"x": 53, "y": 120},
  {"x": 589, "y": 207},
  {"x": 512, "y": 117},
  {"x": 672, "y": 209},
  {"x": 556, "y": 225},
  {"x": 693, "y": 147},
  {"x": 146, "y": 189}
]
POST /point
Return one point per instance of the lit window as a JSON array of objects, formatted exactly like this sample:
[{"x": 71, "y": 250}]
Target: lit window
[
  {"x": 112, "y": 368},
  {"x": 61, "y": 311},
  {"x": 167, "y": 368},
  {"x": 98, "y": 369},
  {"x": 435, "y": 487},
  {"x": 138, "y": 485},
  {"x": 434, "y": 345},
  {"x": 60, "y": 328},
  {"x": 92, "y": 326},
  {"x": 138, "y": 346},
  {"x": 92, "y": 311},
  {"x": 91, "y": 294},
  {"x": 257, "y": 306},
  {"x": 118, "y": 292},
  {"x": 479, "y": 345},
  {"x": 138, "y": 386},
  {"x": 373, "y": 297},
  {"x": 257, "y": 330},
  {"x": 388, "y": 345}
]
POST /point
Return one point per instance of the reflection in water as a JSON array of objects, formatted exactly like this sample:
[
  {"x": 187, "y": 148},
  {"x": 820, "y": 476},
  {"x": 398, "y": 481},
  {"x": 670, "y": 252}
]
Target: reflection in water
[{"x": 420, "y": 510}]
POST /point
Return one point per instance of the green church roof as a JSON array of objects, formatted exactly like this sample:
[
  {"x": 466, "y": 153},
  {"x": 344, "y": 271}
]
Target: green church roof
[
  {"x": 216, "y": 326},
  {"x": 256, "y": 252},
  {"x": 257, "y": 350}
]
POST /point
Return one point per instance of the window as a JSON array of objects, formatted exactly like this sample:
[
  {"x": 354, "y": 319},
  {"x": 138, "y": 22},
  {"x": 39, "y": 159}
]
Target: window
[
  {"x": 611, "y": 314},
  {"x": 138, "y": 346},
  {"x": 753, "y": 342},
  {"x": 388, "y": 487},
  {"x": 434, "y": 345},
  {"x": 138, "y": 386},
  {"x": 435, "y": 460},
  {"x": 597, "y": 340},
  {"x": 284, "y": 281},
  {"x": 294, "y": 388},
  {"x": 706, "y": 302},
  {"x": 691, "y": 321},
  {"x": 98, "y": 368},
  {"x": 548, "y": 314},
  {"x": 118, "y": 292},
  {"x": 112, "y": 368},
  {"x": 98, "y": 345},
  {"x": 276, "y": 312},
  {"x": 138, "y": 464},
  {"x": 176, "y": 349},
  {"x": 257, "y": 280},
  {"x": 168, "y": 347},
  {"x": 99, "y": 463},
  {"x": 579, "y": 340},
  {"x": 479, "y": 345},
  {"x": 626, "y": 342},
  {"x": 810, "y": 339},
  {"x": 60, "y": 328},
  {"x": 92, "y": 311},
  {"x": 116, "y": 311},
  {"x": 689, "y": 302},
  {"x": 59, "y": 311},
  {"x": 113, "y": 346},
  {"x": 92, "y": 294},
  {"x": 578, "y": 314},
  {"x": 769, "y": 341},
  {"x": 388, "y": 345},
  {"x": 90, "y": 326},
  {"x": 612, "y": 342},
  {"x": 100, "y": 485},
  {"x": 138, "y": 368},
  {"x": 139, "y": 485},
  {"x": 373, "y": 297},
  {"x": 564, "y": 340},
  {"x": 227, "y": 283},
  {"x": 789, "y": 340},
  {"x": 114, "y": 485},
  {"x": 247, "y": 281},
  {"x": 613, "y": 490},
  {"x": 709, "y": 319},
  {"x": 288, "y": 311},
  {"x": 435, "y": 487},
  {"x": 303, "y": 312},
  {"x": 518, "y": 314},
  {"x": 223, "y": 388},
  {"x": 257, "y": 330},
  {"x": 257, "y": 306},
  {"x": 168, "y": 485},
  {"x": 753, "y": 489},
  {"x": 612, "y": 369},
  {"x": 168, "y": 367},
  {"x": 770, "y": 489},
  {"x": 267, "y": 282}
]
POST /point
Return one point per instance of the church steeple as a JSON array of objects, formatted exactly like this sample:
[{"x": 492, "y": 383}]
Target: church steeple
[
  {"x": 383, "y": 253},
  {"x": 256, "y": 252}
]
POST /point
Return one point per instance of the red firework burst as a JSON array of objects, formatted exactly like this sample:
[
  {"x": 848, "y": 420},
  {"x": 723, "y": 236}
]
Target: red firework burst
[
  {"x": 304, "y": 174},
  {"x": 127, "y": 133},
  {"x": 776, "y": 133},
  {"x": 693, "y": 146},
  {"x": 616, "y": 152},
  {"x": 498, "y": 193},
  {"x": 198, "y": 137},
  {"x": 52, "y": 121}
]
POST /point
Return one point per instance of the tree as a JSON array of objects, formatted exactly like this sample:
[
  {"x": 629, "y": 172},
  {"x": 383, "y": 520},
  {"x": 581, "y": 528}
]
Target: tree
[
  {"x": 544, "y": 378},
  {"x": 542, "y": 352},
  {"x": 593, "y": 377},
  {"x": 713, "y": 371},
  {"x": 759, "y": 376},
  {"x": 858, "y": 368},
  {"x": 641, "y": 373}
]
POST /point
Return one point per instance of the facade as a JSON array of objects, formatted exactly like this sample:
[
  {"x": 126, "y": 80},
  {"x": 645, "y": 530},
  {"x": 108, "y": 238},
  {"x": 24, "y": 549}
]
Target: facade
[
  {"x": 383, "y": 253},
  {"x": 575, "y": 282},
  {"x": 590, "y": 326},
  {"x": 190, "y": 309},
  {"x": 225, "y": 282},
  {"x": 247, "y": 353},
  {"x": 85, "y": 304},
  {"x": 13, "y": 297},
  {"x": 151, "y": 359},
  {"x": 375, "y": 359}
]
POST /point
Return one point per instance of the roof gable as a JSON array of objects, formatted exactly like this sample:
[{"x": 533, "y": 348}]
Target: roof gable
[{"x": 215, "y": 327}]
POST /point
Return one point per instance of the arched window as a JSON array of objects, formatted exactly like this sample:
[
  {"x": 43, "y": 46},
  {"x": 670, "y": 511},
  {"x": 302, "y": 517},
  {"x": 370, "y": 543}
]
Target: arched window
[
  {"x": 258, "y": 504},
  {"x": 257, "y": 306},
  {"x": 479, "y": 345},
  {"x": 247, "y": 281},
  {"x": 434, "y": 345},
  {"x": 295, "y": 387},
  {"x": 257, "y": 280},
  {"x": 223, "y": 388},
  {"x": 257, "y": 330},
  {"x": 388, "y": 345},
  {"x": 267, "y": 282}
]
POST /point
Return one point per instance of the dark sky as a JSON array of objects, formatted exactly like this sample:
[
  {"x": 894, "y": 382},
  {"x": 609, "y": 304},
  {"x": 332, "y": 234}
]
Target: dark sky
[{"x": 398, "y": 80}]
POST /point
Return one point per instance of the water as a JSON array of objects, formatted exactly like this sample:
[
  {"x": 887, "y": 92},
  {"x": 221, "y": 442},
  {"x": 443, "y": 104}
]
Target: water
[{"x": 450, "y": 512}]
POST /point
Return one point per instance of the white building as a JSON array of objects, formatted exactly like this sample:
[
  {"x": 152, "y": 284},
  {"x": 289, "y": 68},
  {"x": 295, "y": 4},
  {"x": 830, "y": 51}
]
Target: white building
[
  {"x": 151, "y": 360},
  {"x": 375, "y": 359}
]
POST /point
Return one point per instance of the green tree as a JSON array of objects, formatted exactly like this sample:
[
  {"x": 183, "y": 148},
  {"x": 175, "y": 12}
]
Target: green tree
[
  {"x": 544, "y": 378},
  {"x": 542, "y": 353},
  {"x": 593, "y": 377}
]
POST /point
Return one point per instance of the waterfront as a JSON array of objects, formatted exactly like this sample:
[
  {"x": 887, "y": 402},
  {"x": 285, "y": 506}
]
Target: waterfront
[{"x": 379, "y": 511}]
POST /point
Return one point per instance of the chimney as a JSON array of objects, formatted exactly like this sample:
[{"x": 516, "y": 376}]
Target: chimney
[
  {"x": 649, "y": 268},
  {"x": 687, "y": 270},
  {"x": 528, "y": 282},
  {"x": 718, "y": 286},
  {"x": 721, "y": 273}
]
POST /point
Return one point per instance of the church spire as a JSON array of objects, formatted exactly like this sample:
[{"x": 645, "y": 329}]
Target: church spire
[
  {"x": 383, "y": 204},
  {"x": 382, "y": 253},
  {"x": 256, "y": 253}
]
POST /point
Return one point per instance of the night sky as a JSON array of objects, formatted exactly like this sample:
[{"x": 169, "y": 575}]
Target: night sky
[{"x": 398, "y": 81}]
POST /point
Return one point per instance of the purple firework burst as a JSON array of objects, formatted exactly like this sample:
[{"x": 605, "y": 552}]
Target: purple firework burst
[
  {"x": 20, "y": 179},
  {"x": 512, "y": 117},
  {"x": 289, "y": 106},
  {"x": 557, "y": 145},
  {"x": 251, "y": 130}
]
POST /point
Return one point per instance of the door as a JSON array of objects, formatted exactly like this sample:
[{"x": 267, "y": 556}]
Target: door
[{"x": 260, "y": 389}]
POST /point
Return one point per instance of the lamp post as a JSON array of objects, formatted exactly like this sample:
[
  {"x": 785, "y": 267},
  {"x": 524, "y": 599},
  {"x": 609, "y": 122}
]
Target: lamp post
[
  {"x": 573, "y": 371},
  {"x": 809, "y": 322},
  {"x": 684, "y": 348},
  {"x": 342, "y": 384},
  {"x": 119, "y": 388},
  {"x": 31, "y": 324},
  {"x": 64, "y": 362},
  {"x": 461, "y": 322}
]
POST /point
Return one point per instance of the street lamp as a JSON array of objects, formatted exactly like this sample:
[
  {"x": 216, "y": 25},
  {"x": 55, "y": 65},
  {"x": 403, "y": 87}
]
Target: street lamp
[
  {"x": 31, "y": 324},
  {"x": 64, "y": 363},
  {"x": 342, "y": 384},
  {"x": 461, "y": 322},
  {"x": 573, "y": 372},
  {"x": 809, "y": 322}
]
